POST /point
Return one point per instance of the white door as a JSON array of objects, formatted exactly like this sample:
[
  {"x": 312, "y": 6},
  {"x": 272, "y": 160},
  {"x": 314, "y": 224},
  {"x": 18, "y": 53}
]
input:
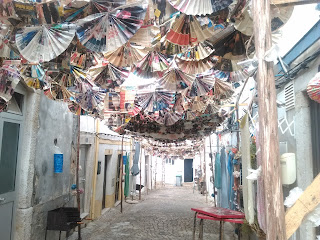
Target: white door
[{"x": 10, "y": 137}]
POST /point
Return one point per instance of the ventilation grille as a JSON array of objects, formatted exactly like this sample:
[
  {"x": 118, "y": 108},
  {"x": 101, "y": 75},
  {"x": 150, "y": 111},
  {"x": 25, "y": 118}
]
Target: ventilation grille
[{"x": 289, "y": 96}]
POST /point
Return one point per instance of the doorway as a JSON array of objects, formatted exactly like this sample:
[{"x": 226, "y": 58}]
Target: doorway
[
  {"x": 82, "y": 175},
  {"x": 104, "y": 190},
  {"x": 10, "y": 140},
  {"x": 188, "y": 170},
  {"x": 117, "y": 187}
]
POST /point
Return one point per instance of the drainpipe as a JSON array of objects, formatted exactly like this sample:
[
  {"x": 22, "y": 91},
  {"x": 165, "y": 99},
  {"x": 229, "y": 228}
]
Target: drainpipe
[{"x": 94, "y": 176}]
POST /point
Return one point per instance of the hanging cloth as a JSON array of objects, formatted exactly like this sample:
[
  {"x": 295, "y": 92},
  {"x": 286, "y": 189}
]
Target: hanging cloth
[
  {"x": 224, "y": 180},
  {"x": 231, "y": 180},
  {"x": 135, "y": 167},
  {"x": 217, "y": 172},
  {"x": 246, "y": 163},
  {"x": 126, "y": 177}
]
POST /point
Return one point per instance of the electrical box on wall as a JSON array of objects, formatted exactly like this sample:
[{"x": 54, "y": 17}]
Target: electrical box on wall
[{"x": 288, "y": 168}]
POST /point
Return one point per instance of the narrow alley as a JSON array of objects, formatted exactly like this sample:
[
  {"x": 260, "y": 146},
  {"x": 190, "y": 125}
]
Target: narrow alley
[{"x": 162, "y": 214}]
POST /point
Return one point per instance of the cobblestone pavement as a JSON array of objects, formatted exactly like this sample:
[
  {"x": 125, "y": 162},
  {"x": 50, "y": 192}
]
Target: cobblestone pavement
[{"x": 163, "y": 214}]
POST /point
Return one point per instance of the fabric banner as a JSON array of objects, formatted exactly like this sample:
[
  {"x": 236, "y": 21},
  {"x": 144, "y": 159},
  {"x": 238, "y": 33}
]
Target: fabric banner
[{"x": 135, "y": 167}]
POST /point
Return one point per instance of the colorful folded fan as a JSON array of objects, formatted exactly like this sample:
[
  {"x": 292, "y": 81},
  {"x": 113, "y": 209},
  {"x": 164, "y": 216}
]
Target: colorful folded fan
[
  {"x": 156, "y": 100},
  {"x": 44, "y": 43},
  {"x": 175, "y": 80},
  {"x": 126, "y": 55},
  {"x": 152, "y": 65},
  {"x": 106, "y": 31},
  {"x": 190, "y": 30},
  {"x": 200, "y": 7},
  {"x": 199, "y": 52},
  {"x": 34, "y": 76},
  {"x": 108, "y": 77}
]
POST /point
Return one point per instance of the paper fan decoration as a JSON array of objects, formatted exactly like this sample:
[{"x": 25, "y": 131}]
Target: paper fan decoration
[
  {"x": 58, "y": 92},
  {"x": 183, "y": 102},
  {"x": 156, "y": 101},
  {"x": 175, "y": 80},
  {"x": 34, "y": 76},
  {"x": 201, "y": 85},
  {"x": 222, "y": 89},
  {"x": 212, "y": 107},
  {"x": 106, "y": 31},
  {"x": 313, "y": 88},
  {"x": 91, "y": 98},
  {"x": 168, "y": 118},
  {"x": 109, "y": 76},
  {"x": 9, "y": 79},
  {"x": 151, "y": 65},
  {"x": 44, "y": 43},
  {"x": 75, "y": 108},
  {"x": 200, "y": 7},
  {"x": 190, "y": 30},
  {"x": 189, "y": 115},
  {"x": 126, "y": 56},
  {"x": 199, "y": 52},
  {"x": 196, "y": 67}
]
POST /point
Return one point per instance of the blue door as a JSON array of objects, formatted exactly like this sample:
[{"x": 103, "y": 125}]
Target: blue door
[{"x": 188, "y": 170}]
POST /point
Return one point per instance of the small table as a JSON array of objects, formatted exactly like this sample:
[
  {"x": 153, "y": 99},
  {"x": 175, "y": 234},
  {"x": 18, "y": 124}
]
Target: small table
[{"x": 217, "y": 214}]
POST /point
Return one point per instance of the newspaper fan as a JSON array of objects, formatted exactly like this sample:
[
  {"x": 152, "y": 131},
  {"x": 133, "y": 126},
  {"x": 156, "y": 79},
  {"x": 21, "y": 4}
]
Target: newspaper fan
[
  {"x": 175, "y": 80},
  {"x": 190, "y": 30},
  {"x": 91, "y": 98},
  {"x": 44, "y": 43},
  {"x": 9, "y": 79},
  {"x": 313, "y": 88},
  {"x": 168, "y": 118},
  {"x": 62, "y": 87},
  {"x": 152, "y": 65},
  {"x": 199, "y": 52},
  {"x": 201, "y": 85},
  {"x": 126, "y": 56},
  {"x": 106, "y": 31},
  {"x": 156, "y": 100},
  {"x": 109, "y": 76},
  {"x": 75, "y": 108},
  {"x": 196, "y": 67},
  {"x": 200, "y": 7},
  {"x": 34, "y": 76}
]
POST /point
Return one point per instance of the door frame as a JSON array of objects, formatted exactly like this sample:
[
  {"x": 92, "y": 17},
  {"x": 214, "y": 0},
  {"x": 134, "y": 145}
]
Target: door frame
[{"x": 16, "y": 118}]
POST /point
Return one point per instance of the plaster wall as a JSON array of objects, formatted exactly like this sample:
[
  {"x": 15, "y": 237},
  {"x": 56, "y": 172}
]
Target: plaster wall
[
  {"x": 40, "y": 188},
  {"x": 300, "y": 143}
]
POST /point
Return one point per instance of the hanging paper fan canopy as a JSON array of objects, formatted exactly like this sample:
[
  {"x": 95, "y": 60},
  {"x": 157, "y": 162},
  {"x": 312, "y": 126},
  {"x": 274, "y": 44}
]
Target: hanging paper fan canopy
[
  {"x": 201, "y": 85},
  {"x": 106, "y": 31},
  {"x": 175, "y": 80},
  {"x": 156, "y": 100},
  {"x": 200, "y": 7},
  {"x": 34, "y": 76},
  {"x": 199, "y": 52},
  {"x": 313, "y": 88},
  {"x": 151, "y": 65},
  {"x": 126, "y": 56},
  {"x": 44, "y": 43},
  {"x": 9, "y": 79},
  {"x": 108, "y": 77},
  {"x": 190, "y": 30}
]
